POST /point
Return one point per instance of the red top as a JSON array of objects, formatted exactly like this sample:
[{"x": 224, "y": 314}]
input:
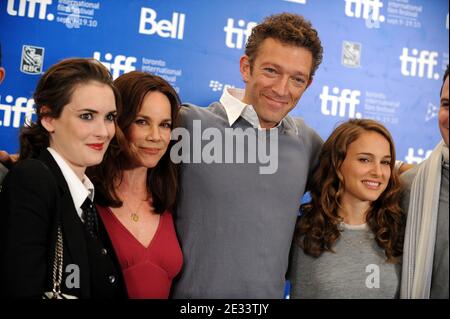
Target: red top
[{"x": 148, "y": 271}]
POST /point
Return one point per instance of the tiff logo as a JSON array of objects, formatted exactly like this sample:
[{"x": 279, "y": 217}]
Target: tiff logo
[
  {"x": 366, "y": 9},
  {"x": 411, "y": 158},
  {"x": 29, "y": 7},
  {"x": 164, "y": 28},
  {"x": 343, "y": 103},
  {"x": 121, "y": 64},
  {"x": 22, "y": 105},
  {"x": 415, "y": 64},
  {"x": 236, "y": 37}
]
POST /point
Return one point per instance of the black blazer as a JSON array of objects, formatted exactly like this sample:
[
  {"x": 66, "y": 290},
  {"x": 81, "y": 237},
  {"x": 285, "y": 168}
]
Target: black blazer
[{"x": 33, "y": 194}]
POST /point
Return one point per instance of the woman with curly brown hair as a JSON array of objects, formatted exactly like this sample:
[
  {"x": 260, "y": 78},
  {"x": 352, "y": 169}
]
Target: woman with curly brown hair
[{"x": 349, "y": 238}]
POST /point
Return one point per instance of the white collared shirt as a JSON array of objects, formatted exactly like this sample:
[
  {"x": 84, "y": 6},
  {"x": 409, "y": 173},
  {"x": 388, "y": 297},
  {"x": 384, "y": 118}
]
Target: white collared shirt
[
  {"x": 231, "y": 100},
  {"x": 79, "y": 190}
]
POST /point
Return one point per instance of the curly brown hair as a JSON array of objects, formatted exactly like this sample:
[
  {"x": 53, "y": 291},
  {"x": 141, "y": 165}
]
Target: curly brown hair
[
  {"x": 317, "y": 229},
  {"x": 288, "y": 28}
]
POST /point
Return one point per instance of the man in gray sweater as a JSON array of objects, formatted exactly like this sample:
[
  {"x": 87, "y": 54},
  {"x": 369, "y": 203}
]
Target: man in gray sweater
[
  {"x": 244, "y": 168},
  {"x": 425, "y": 256}
]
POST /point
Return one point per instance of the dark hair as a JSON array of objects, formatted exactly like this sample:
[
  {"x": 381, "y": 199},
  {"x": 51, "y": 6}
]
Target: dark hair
[
  {"x": 54, "y": 91},
  {"x": 443, "y": 80},
  {"x": 317, "y": 230},
  {"x": 288, "y": 28},
  {"x": 162, "y": 180}
]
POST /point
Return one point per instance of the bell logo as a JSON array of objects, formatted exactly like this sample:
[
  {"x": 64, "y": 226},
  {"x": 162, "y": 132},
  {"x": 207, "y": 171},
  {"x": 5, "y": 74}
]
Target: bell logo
[
  {"x": 30, "y": 9},
  {"x": 236, "y": 37},
  {"x": 343, "y": 103},
  {"x": 121, "y": 64},
  {"x": 415, "y": 64},
  {"x": 366, "y": 9},
  {"x": 164, "y": 28}
]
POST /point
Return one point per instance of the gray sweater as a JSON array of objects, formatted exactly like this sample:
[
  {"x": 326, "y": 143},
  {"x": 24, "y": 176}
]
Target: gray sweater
[
  {"x": 357, "y": 269},
  {"x": 235, "y": 225}
]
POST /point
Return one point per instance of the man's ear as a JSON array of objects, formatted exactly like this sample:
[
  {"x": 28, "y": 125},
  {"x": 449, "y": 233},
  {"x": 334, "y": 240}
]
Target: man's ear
[
  {"x": 46, "y": 120},
  {"x": 244, "y": 64},
  {"x": 309, "y": 82}
]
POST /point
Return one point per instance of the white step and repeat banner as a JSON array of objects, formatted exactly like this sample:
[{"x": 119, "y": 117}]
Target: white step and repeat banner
[{"x": 383, "y": 59}]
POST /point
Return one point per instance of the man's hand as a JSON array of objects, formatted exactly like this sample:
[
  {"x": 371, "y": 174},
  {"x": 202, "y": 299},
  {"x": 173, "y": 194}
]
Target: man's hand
[
  {"x": 404, "y": 167},
  {"x": 8, "y": 159}
]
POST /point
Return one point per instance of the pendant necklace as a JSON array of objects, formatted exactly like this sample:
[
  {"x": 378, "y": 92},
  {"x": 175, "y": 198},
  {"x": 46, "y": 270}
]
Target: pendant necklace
[{"x": 134, "y": 216}]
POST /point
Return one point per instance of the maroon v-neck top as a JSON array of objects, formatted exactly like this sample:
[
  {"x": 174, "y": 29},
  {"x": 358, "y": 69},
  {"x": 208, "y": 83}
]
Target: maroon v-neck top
[{"x": 148, "y": 271}]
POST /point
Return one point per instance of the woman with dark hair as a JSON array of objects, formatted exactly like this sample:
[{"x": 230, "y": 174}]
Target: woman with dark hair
[
  {"x": 137, "y": 183},
  {"x": 51, "y": 239},
  {"x": 349, "y": 238}
]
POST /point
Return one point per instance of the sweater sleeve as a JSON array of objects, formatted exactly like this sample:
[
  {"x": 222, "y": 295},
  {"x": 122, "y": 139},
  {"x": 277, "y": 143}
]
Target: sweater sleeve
[
  {"x": 293, "y": 271},
  {"x": 313, "y": 145}
]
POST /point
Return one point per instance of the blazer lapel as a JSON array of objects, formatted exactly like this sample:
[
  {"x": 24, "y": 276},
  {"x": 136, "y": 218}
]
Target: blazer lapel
[{"x": 72, "y": 226}]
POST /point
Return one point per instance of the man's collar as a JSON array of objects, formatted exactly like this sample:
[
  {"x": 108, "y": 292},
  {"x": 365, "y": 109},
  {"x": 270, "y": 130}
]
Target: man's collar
[{"x": 231, "y": 100}]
